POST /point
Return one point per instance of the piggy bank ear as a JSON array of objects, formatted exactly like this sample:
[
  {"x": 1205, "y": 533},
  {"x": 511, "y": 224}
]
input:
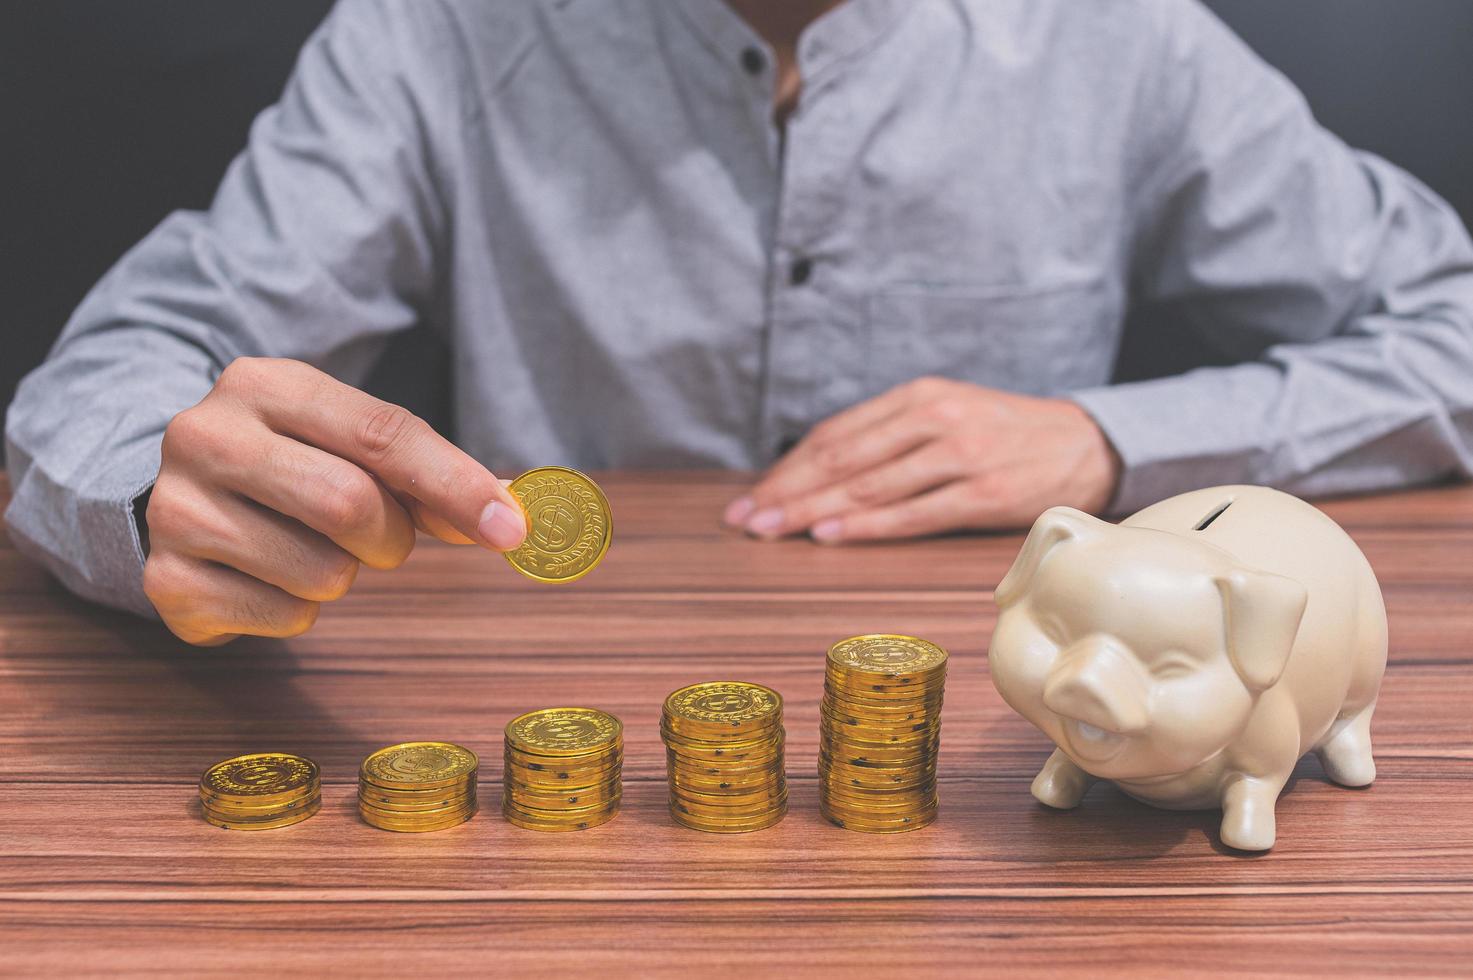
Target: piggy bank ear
[
  {"x": 1055, "y": 525},
  {"x": 1261, "y": 613}
]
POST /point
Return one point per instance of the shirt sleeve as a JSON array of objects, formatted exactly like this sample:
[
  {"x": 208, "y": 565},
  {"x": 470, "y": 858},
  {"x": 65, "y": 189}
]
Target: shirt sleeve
[
  {"x": 320, "y": 243},
  {"x": 1339, "y": 289}
]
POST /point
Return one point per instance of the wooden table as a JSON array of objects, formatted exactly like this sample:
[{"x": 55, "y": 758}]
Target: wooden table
[{"x": 106, "y": 724}]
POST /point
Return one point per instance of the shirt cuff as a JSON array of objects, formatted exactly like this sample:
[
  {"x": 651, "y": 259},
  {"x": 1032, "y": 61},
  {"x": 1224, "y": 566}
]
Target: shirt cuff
[
  {"x": 86, "y": 535},
  {"x": 1185, "y": 432}
]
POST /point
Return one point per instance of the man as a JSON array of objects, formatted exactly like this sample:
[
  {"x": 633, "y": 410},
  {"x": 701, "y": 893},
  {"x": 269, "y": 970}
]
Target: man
[{"x": 728, "y": 233}]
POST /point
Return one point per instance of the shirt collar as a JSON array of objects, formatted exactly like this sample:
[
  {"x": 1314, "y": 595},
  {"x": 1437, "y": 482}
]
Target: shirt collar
[{"x": 848, "y": 29}]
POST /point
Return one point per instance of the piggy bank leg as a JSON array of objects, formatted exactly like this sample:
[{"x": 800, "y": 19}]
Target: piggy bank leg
[
  {"x": 1346, "y": 751},
  {"x": 1060, "y": 783},
  {"x": 1248, "y": 812}
]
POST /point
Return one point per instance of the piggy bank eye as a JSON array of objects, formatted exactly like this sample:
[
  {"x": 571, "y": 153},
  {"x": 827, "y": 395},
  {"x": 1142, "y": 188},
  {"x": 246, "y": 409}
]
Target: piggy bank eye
[{"x": 1173, "y": 665}]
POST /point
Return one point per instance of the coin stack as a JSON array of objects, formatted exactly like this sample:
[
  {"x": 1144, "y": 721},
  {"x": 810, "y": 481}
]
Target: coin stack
[
  {"x": 563, "y": 769},
  {"x": 724, "y": 750},
  {"x": 879, "y": 733},
  {"x": 417, "y": 787},
  {"x": 262, "y": 791}
]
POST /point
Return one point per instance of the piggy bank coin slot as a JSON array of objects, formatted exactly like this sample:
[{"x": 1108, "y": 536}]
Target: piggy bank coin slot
[{"x": 1214, "y": 515}]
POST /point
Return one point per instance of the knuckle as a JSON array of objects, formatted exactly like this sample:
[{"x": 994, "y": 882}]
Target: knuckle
[
  {"x": 298, "y": 618},
  {"x": 186, "y": 433},
  {"x": 334, "y": 578},
  {"x": 969, "y": 446},
  {"x": 160, "y": 581},
  {"x": 241, "y": 374},
  {"x": 346, "y": 506},
  {"x": 905, "y": 522},
  {"x": 945, "y": 410},
  {"x": 831, "y": 458},
  {"x": 383, "y": 429},
  {"x": 169, "y": 514},
  {"x": 866, "y": 490}
]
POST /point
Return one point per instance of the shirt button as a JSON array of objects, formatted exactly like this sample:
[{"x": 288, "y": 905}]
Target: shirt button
[
  {"x": 753, "y": 61},
  {"x": 800, "y": 271}
]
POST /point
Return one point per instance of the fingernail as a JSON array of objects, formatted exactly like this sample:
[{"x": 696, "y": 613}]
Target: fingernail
[
  {"x": 502, "y": 526},
  {"x": 739, "y": 510},
  {"x": 766, "y": 521},
  {"x": 828, "y": 529}
]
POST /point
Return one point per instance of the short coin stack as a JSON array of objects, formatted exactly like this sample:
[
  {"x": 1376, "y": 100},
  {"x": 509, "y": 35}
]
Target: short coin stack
[
  {"x": 724, "y": 750},
  {"x": 563, "y": 769},
  {"x": 261, "y": 791},
  {"x": 417, "y": 787},
  {"x": 879, "y": 733}
]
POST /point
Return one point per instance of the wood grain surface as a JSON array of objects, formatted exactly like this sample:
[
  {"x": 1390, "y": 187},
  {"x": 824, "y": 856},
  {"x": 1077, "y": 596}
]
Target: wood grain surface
[{"x": 106, "y": 724}]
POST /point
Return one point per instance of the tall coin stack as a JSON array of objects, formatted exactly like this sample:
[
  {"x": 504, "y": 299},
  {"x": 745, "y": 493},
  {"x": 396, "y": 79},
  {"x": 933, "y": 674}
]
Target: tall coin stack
[
  {"x": 261, "y": 791},
  {"x": 724, "y": 751},
  {"x": 879, "y": 733},
  {"x": 418, "y": 787},
  {"x": 563, "y": 769}
]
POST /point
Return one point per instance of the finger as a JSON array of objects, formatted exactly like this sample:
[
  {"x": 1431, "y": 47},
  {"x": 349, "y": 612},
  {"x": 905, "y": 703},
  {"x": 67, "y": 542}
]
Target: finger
[
  {"x": 956, "y": 505},
  {"x": 434, "y": 525},
  {"x": 399, "y": 448},
  {"x": 837, "y": 427},
  {"x": 829, "y": 464},
  {"x": 919, "y": 470},
  {"x": 209, "y": 604},
  {"x": 428, "y": 521},
  {"x": 857, "y": 418},
  {"x": 243, "y": 535},
  {"x": 324, "y": 492}
]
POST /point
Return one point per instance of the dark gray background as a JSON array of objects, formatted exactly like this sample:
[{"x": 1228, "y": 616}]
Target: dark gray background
[{"x": 114, "y": 113}]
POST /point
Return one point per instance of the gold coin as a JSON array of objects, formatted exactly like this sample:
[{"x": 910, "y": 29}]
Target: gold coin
[
  {"x": 884, "y": 709},
  {"x": 583, "y": 822},
  {"x": 419, "y": 765},
  {"x": 863, "y": 784},
  {"x": 723, "y": 708},
  {"x": 765, "y": 794},
  {"x": 758, "y": 755},
  {"x": 261, "y": 778},
  {"x": 230, "y": 822},
  {"x": 569, "y": 524},
  {"x": 724, "y": 791},
  {"x": 410, "y": 809},
  {"x": 592, "y": 772},
  {"x": 878, "y": 826},
  {"x": 403, "y": 824},
  {"x": 434, "y": 797},
  {"x": 878, "y": 803},
  {"x": 886, "y": 658},
  {"x": 401, "y": 827},
  {"x": 564, "y": 732},
  {"x": 258, "y": 809},
  {"x": 733, "y": 767},
  {"x": 540, "y": 783},
  {"x": 693, "y": 822},
  {"x": 564, "y": 801},
  {"x": 463, "y": 810}
]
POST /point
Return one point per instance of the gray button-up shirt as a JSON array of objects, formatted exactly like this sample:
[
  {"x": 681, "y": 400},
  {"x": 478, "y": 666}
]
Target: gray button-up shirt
[{"x": 635, "y": 267}]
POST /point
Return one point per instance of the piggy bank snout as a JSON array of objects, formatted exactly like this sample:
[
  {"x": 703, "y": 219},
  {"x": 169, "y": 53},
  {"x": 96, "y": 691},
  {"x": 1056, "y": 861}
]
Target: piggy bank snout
[{"x": 1099, "y": 685}]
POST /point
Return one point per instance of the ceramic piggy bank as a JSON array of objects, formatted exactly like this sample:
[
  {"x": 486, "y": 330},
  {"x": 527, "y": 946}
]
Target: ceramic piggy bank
[{"x": 1192, "y": 653}]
